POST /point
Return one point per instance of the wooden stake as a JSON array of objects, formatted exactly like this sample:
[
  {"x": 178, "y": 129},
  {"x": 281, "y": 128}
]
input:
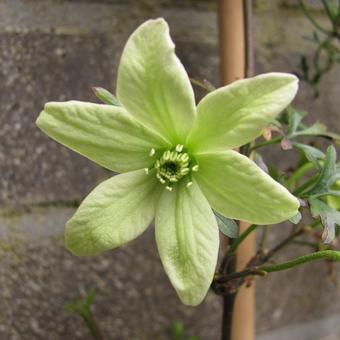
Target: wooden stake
[{"x": 236, "y": 63}]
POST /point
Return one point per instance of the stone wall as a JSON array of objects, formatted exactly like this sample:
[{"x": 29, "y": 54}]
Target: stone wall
[{"x": 58, "y": 50}]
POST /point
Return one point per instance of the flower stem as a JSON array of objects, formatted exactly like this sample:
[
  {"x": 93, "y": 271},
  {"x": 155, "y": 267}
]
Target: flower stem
[
  {"x": 274, "y": 140},
  {"x": 241, "y": 238},
  {"x": 332, "y": 255},
  {"x": 263, "y": 270}
]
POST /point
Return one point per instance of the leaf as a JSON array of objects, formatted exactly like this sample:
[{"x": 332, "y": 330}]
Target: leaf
[
  {"x": 329, "y": 218},
  {"x": 81, "y": 306},
  {"x": 227, "y": 226},
  {"x": 294, "y": 120},
  {"x": 296, "y": 219},
  {"x": 327, "y": 175},
  {"x": 317, "y": 129},
  {"x": 312, "y": 154},
  {"x": 105, "y": 96},
  {"x": 177, "y": 330}
]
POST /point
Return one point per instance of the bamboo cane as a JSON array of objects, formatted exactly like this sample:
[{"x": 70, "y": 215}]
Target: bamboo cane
[{"x": 236, "y": 63}]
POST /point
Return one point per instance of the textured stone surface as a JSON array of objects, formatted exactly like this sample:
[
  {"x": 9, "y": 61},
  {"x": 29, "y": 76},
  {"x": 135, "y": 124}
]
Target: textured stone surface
[
  {"x": 37, "y": 68},
  {"x": 327, "y": 328}
]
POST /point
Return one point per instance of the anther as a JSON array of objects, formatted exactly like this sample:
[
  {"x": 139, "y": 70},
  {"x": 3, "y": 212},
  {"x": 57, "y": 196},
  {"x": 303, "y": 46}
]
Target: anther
[
  {"x": 189, "y": 184},
  {"x": 179, "y": 147},
  {"x": 195, "y": 168},
  {"x": 146, "y": 170},
  {"x": 152, "y": 152},
  {"x": 168, "y": 187}
]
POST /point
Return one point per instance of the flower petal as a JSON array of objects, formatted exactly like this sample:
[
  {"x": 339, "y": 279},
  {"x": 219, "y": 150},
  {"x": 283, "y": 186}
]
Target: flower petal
[
  {"x": 153, "y": 84},
  {"x": 236, "y": 114},
  {"x": 187, "y": 238},
  {"x": 106, "y": 134},
  {"x": 114, "y": 213},
  {"x": 237, "y": 188}
]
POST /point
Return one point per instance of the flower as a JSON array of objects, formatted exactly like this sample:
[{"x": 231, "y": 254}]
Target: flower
[{"x": 176, "y": 160}]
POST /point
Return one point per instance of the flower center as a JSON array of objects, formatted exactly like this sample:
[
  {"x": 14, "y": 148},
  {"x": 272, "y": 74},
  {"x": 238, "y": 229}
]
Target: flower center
[{"x": 173, "y": 165}]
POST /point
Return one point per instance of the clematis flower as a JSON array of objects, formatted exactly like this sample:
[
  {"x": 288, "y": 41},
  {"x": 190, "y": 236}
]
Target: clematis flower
[{"x": 175, "y": 160}]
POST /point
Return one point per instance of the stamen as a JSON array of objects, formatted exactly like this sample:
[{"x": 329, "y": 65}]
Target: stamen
[
  {"x": 146, "y": 170},
  {"x": 152, "y": 152},
  {"x": 179, "y": 147},
  {"x": 195, "y": 168},
  {"x": 172, "y": 166}
]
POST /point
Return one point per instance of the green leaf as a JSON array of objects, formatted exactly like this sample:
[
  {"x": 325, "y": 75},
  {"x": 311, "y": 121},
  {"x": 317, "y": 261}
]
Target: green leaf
[
  {"x": 227, "y": 226},
  {"x": 328, "y": 174},
  {"x": 105, "y": 134},
  {"x": 317, "y": 129},
  {"x": 296, "y": 219},
  {"x": 313, "y": 154},
  {"x": 177, "y": 330},
  {"x": 117, "y": 211},
  {"x": 153, "y": 85},
  {"x": 238, "y": 189},
  {"x": 334, "y": 201},
  {"x": 294, "y": 120},
  {"x": 329, "y": 218},
  {"x": 105, "y": 96},
  {"x": 237, "y": 113},
  {"x": 187, "y": 239},
  {"x": 81, "y": 306}
]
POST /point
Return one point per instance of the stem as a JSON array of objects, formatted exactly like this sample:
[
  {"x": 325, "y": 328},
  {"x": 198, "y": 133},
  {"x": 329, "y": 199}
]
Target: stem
[
  {"x": 262, "y": 270},
  {"x": 92, "y": 325},
  {"x": 296, "y": 175},
  {"x": 274, "y": 140},
  {"x": 241, "y": 238},
  {"x": 319, "y": 255},
  {"x": 227, "y": 316},
  {"x": 305, "y": 185}
]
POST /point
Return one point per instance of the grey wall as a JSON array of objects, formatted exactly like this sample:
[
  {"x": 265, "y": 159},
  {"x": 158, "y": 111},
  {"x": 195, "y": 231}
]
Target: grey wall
[{"x": 57, "y": 50}]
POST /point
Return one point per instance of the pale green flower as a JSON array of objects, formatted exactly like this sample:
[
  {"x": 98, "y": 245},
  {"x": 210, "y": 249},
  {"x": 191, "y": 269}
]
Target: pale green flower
[{"x": 176, "y": 159}]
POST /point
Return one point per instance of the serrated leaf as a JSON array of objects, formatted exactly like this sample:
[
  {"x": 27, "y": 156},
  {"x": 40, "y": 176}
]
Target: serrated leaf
[
  {"x": 328, "y": 174},
  {"x": 294, "y": 120},
  {"x": 227, "y": 226},
  {"x": 312, "y": 154},
  {"x": 317, "y": 129},
  {"x": 296, "y": 219},
  {"x": 329, "y": 218},
  {"x": 105, "y": 96}
]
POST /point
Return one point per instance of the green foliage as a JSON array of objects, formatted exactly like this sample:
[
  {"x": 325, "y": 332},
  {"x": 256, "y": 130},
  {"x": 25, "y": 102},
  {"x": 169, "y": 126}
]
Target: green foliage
[
  {"x": 329, "y": 218},
  {"x": 227, "y": 226},
  {"x": 178, "y": 332},
  {"x": 82, "y": 308}
]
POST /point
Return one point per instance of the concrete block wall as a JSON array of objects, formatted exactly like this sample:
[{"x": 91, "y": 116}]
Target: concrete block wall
[{"x": 58, "y": 50}]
